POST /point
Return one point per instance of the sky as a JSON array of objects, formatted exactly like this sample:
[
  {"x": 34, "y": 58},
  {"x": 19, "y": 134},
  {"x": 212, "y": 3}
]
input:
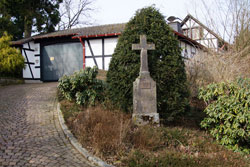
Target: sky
[{"x": 120, "y": 11}]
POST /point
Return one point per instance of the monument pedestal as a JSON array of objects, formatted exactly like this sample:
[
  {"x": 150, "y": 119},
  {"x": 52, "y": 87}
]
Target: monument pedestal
[{"x": 144, "y": 100}]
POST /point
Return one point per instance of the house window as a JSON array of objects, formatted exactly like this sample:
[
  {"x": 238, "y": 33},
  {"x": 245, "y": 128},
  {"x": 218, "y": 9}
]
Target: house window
[
  {"x": 186, "y": 32},
  {"x": 196, "y": 33},
  {"x": 185, "y": 53}
]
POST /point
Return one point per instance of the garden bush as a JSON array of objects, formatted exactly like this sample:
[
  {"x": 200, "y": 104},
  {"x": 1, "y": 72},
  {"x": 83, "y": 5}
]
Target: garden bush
[
  {"x": 166, "y": 64},
  {"x": 11, "y": 59},
  {"x": 228, "y": 113},
  {"x": 83, "y": 87}
]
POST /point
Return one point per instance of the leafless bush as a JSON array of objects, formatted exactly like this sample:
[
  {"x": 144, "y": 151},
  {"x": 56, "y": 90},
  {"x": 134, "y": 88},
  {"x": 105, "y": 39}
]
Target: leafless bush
[
  {"x": 206, "y": 68},
  {"x": 231, "y": 20}
]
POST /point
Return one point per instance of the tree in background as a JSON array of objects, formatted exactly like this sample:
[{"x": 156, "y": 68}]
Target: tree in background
[
  {"x": 166, "y": 64},
  {"x": 74, "y": 12},
  {"x": 21, "y": 16},
  {"x": 11, "y": 60},
  {"x": 228, "y": 18}
]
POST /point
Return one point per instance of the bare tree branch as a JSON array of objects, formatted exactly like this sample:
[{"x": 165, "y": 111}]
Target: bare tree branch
[{"x": 75, "y": 13}]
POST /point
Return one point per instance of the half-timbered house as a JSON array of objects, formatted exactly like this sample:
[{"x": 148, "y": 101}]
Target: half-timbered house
[
  {"x": 194, "y": 29},
  {"x": 50, "y": 56}
]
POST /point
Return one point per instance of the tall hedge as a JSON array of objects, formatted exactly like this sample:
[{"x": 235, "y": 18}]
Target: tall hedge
[
  {"x": 166, "y": 64},
  {"x": 11, "y": 59}
]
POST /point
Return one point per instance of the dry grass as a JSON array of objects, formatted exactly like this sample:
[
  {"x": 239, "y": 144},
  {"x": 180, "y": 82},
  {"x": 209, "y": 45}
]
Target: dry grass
[
  {"x": 111, "y": 136},
  {"x": 207, "y": 68},
  {"x": 102, "y": 129}
]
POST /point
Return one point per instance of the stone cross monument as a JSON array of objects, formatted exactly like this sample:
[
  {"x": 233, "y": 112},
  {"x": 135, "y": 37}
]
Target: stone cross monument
[{"x": 144, "y": 89}]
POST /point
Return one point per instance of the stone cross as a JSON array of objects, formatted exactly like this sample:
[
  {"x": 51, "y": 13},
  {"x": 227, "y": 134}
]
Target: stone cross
[
  {"x": 144, "y": 89},
  {"x": 143, "y": 46}
]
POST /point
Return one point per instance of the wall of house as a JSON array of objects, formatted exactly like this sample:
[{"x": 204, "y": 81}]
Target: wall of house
[
  {"x": 194, "y": 31},
  {"x": 189, "y": 50},
  {"x": 31, "y": 53},
  {"x": 99, "y": 52}
]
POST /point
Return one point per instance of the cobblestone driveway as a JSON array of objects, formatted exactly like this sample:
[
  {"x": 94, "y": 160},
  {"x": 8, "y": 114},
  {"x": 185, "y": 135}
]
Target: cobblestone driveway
[{"x": 30, "y": 134}]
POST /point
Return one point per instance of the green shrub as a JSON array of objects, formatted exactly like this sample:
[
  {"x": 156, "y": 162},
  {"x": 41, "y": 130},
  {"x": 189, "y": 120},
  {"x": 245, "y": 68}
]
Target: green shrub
[
  {"x": 11, "y": 59},
  {"x": 166, "y": 65},
  {"x": 228, "y": 113},
  {"x": 65, "y": 87},
  {"x": 83, "y": 87}
]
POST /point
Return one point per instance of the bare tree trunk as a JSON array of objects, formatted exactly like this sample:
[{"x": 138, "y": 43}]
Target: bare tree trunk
[{"x": 27, "y": 27}]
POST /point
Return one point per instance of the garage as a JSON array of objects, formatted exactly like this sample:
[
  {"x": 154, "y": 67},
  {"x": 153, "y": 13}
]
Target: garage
[
  {"x": 61, "y": 59},
  {"x": 50, "y": 56}
]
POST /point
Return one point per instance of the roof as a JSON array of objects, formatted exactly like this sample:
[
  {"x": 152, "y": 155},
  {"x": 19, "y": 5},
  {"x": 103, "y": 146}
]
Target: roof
[
  {"x": 85, "y": 31},
  {"x": 22, "y": 41},
  {"x": 98, "y": 30},
  {"x": 95, "y": 31}
]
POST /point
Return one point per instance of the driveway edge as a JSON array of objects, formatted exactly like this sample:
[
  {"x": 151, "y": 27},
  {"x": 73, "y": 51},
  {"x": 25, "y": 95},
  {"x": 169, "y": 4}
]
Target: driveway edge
[{"x": 93, "y": 159}]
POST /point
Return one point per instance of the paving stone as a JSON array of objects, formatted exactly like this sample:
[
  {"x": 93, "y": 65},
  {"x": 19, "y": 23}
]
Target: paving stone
[{"x": 30, "y": 133}]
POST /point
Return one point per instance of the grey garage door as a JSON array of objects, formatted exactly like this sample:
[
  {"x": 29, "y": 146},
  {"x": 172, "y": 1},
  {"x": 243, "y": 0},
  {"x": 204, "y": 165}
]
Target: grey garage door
[{"x": 61, "y": 59}]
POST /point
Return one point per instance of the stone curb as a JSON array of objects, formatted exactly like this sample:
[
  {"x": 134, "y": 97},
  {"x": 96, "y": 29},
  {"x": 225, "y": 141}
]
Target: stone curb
[{"x": 94, "y": 160}]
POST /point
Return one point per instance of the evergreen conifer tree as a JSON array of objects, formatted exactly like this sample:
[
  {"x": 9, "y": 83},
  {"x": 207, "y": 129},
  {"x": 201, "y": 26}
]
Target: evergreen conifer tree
[{"x": 166, "y": 65}]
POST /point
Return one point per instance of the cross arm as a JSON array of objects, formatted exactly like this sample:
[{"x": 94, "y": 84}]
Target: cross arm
[{"x": 136, "y": 47}]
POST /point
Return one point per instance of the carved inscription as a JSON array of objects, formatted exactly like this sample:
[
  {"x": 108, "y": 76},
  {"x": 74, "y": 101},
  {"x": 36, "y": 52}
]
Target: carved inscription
[{"x": 145, "y": 85}]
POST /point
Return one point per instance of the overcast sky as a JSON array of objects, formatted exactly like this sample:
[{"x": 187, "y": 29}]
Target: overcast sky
[{"x": 120, "y": 11}]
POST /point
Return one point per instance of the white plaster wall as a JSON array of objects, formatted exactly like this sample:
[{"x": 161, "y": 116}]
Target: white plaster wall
[
  {"x": 32, "y": 59},
  {"x": 110, "y": 44},
  {"x": 99, "y": 62},
  {"x": 96, "y": 45},
  {"x": 26, "y": 72},
  {"x": 89, "y": 62},
  {"x": 107, "y": 62},
  {"x": 209, "y": 43},
  {"x": 191, "y": 49}
]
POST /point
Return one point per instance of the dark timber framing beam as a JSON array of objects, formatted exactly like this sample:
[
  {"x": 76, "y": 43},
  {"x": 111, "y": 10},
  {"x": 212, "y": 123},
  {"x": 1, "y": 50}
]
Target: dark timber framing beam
[
  {"x": 99, "y": 56},
  {"x": 92, "y": 53},
  {"x": 24, "y": 50},
  {"x": 103, "y": 58}
]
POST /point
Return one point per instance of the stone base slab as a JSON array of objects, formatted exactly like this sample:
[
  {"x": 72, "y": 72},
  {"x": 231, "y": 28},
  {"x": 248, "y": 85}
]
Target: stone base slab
[
  {"x": 143, "y": 119},
  {"x": 33, "y": 81}
]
